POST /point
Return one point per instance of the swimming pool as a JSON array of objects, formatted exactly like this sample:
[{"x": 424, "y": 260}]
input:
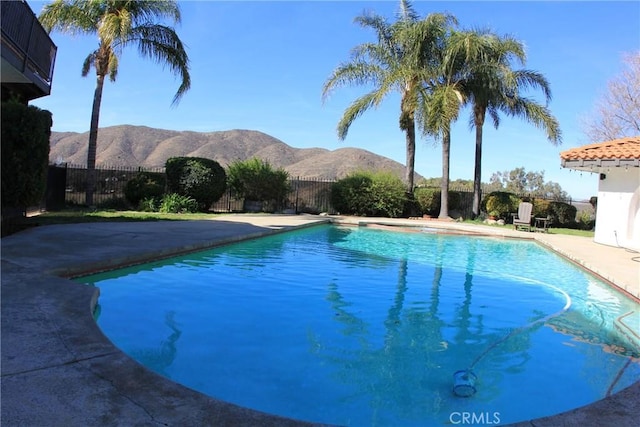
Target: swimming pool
[{"x": 363, "y": 327}]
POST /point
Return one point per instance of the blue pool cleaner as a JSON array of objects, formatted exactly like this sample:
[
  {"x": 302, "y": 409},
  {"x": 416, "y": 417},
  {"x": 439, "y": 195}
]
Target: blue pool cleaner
[{"x": 464, "y": 380}]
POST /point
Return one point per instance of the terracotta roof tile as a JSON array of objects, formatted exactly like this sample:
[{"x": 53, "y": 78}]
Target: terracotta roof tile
[{"x": 622, "y": 148}]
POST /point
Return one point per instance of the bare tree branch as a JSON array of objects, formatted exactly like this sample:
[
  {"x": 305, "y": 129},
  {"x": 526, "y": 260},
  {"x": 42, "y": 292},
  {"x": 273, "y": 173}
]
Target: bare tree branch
[{"x": 617, "y": 113}]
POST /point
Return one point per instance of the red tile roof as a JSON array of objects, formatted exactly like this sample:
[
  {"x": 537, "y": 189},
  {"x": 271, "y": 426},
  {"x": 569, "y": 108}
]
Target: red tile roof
[{"x": 622, "y": 148}]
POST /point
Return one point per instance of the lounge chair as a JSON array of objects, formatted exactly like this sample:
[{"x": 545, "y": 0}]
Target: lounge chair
[{"x": 522, "y": 219}]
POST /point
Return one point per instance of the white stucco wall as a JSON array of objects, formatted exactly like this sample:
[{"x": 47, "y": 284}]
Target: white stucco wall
[{"x": 618, "y": 213}]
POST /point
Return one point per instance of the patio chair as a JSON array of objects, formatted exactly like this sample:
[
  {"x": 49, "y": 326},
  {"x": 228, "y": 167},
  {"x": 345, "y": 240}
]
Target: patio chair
[{"x": 522, "y": 219}]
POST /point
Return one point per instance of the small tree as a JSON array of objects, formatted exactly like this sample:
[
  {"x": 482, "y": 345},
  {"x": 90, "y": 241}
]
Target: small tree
[
  {"x": 199, "y": 178},
  {"x": 255, "y": 180}
]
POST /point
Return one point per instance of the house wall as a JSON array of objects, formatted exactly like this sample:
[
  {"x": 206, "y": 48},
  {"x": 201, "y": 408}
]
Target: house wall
[{"x": 618, "y": 213}]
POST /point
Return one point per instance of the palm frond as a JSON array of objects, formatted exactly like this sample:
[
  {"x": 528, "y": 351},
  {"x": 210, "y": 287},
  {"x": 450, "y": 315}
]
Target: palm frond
[
  {"x": 161, "y": 44},
  {"x": 352, "y": 74},
  {"x": 356, "y": 109},
  {"x": 406, "y": 12},
  {"x": 70, "y": 17},
  {"x": 538, "y": 115},
  {"x": 525, "y": 79},
  {"x": 112, "y": 66},
  {"x": 89, "y": 62},
  {"x": 440, "y": 108},
  {"x": 378, "y": 23},
  {"x": 143, "y": 12}
]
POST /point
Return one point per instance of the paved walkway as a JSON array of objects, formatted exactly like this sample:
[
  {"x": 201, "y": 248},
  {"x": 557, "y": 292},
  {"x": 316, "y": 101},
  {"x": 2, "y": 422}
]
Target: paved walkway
[{"x": 59, "y": 369}]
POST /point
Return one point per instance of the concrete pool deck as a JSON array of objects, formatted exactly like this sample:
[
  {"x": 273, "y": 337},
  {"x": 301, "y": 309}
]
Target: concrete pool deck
[{"x": 57, "y": 368}]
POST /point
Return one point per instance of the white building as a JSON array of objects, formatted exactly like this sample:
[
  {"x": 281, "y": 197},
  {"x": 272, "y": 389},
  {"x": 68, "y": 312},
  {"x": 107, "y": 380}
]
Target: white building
[{"x": 618, "y": 211}]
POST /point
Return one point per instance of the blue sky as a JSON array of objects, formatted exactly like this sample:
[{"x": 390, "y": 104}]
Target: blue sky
[{"x": 261, "y": 65}]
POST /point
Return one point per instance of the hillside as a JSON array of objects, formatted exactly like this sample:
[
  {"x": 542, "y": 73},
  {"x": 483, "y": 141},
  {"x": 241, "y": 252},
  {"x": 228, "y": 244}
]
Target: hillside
[{"x": 135, "y": 146}]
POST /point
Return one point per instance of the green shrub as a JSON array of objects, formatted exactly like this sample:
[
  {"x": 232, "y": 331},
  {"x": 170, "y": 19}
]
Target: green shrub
[
  {"x": 585, "y": 220},
  {"x": 540, "y": 208},
  {"x": 177, "y": 203},
  {"x": 349, "y": 195},
  {"x": 501, "y": 204},
  {"x": 369, "y": 194},
  {"x": 25, "y": 133},
  {"x": 202, "y": 179},
  {"x": 430, "y": 200},
  {"x": 149, "y": 204},
  {"x": 143, "y": 186},
  {"x": 562, "y": 214},
  {"x": 256, "y": 180}
]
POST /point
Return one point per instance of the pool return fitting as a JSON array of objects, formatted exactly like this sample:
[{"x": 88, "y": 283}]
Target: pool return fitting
[{"x": 464, "y": 380}]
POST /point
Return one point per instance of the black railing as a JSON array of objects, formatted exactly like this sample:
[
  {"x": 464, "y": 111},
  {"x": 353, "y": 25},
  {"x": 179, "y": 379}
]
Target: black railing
[
  {"x": 305, "y": 196},
  {"x": 110, "y": 182},
  {"x": 26, "y": 45}
]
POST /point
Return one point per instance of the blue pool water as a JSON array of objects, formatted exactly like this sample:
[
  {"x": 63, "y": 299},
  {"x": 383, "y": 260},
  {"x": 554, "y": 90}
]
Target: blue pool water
[{"x": 358, "y": 326}]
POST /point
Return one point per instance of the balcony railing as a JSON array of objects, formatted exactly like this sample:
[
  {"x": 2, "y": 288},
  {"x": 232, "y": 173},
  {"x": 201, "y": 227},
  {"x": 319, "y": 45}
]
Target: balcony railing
[{"x": 26, "y": 46}]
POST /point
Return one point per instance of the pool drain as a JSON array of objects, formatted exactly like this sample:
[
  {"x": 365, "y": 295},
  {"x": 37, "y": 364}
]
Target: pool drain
[{"x": 464, "y": 383}]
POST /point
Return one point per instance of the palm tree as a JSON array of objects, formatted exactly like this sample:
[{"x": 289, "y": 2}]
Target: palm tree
[
  {"x": 399, "y": 61},
  {"x": 119, "y": 24},
  {"x": 492, "y": 86},
  {"x": 444, "y": 97}
]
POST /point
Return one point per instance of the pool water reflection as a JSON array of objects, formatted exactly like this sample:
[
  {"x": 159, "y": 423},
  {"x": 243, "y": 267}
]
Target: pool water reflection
[{"x": 356, "y": 326}]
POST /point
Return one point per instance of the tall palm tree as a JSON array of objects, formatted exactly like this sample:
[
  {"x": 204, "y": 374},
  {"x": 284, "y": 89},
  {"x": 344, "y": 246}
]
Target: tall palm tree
[
  {"x": 445, "y": 96},
  {"x": 398, "y": 61},
  {"x": 119, "y": 24},
  {"x": 492, "y": 86}
]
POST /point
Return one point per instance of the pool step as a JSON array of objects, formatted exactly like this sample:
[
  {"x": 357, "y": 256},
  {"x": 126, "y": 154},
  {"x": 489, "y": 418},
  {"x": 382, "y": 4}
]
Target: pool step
[{"x": 629, "y": 325}]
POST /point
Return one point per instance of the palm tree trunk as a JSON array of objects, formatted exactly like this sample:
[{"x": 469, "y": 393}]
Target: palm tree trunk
[
  {"x": 93, "y": 140},
  {"x": 444, "y": 187},
  {"x": 410, "y": 132},
  {"x": 477, "y": 174}
]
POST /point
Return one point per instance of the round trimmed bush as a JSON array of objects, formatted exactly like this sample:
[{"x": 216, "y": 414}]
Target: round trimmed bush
[
  {"x": 501, "y": 204},
  {"x": 202, "y": 179}
]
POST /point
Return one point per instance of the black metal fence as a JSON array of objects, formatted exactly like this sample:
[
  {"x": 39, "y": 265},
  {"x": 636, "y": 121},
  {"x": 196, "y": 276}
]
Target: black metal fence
[
  {"x": 306, "y": 195},
  {"x": 110, "y": 182}
]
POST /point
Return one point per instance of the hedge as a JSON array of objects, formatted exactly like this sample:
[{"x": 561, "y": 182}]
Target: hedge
[
  {"x": 429, "y": 200},
  {"x": 369, "y": 194},
  {"x": 26, "y": 130}
]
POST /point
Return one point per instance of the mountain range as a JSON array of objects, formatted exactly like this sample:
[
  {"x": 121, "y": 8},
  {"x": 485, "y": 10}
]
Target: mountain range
[{"x": 134, "y": 146}]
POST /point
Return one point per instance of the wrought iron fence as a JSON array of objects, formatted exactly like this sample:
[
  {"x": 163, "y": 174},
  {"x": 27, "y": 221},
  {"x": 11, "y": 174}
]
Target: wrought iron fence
[
  {"x": 305, "y": 195},
  {"x": 110, "y": 182}
]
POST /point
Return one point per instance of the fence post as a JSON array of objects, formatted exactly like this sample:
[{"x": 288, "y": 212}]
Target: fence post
[{"x": 297, "y": 189}]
